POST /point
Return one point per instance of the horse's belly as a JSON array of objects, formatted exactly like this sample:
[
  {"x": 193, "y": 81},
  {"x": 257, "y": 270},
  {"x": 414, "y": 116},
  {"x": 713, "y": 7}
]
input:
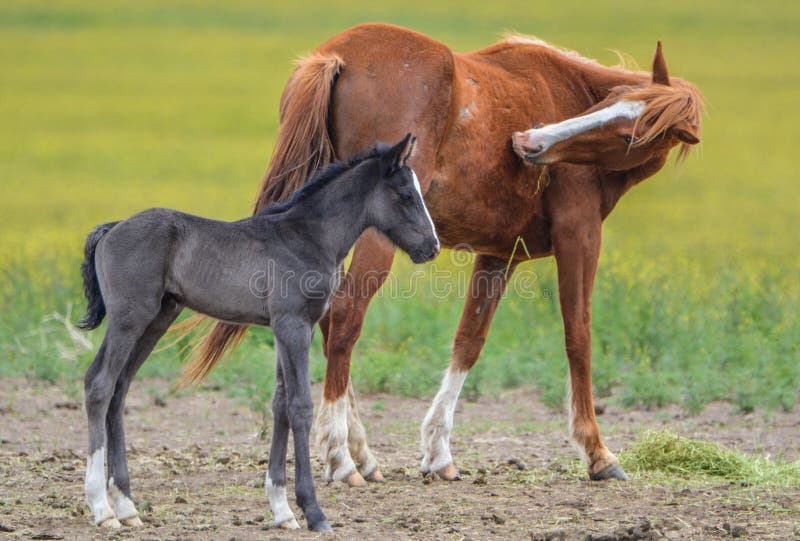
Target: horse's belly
[{"x": 487, "y": 214}]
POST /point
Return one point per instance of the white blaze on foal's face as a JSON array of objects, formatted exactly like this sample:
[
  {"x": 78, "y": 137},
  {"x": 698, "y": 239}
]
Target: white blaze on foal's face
[{"x": 418, "y": 188}]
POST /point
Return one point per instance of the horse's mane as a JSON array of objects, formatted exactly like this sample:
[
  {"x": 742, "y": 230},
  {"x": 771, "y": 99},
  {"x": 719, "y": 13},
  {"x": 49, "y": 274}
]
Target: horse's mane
[
  {"x": 326, "y": 176},
  {"x": 666, "y": 107},
  {"x": 516, "y": 38}
]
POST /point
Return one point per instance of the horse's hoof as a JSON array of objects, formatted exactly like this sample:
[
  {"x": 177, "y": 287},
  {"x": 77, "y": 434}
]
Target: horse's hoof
[
  {"x": 111, "y": 523},
  {"x": 376, "y": 476},
  {"x": 290, "y": 524},
  {"x": 133, "y": 522},
  {"x": 612, "y": 471},
  {"x": 449, "y": 473},
  {"x": 356, "y": 480},
  {"x": 321, "y": 526}
]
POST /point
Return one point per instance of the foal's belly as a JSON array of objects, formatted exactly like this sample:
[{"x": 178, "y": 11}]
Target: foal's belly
[{"x": 227, "y": 284}]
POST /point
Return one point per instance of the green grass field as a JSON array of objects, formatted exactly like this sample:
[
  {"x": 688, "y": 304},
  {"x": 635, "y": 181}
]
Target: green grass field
[{"x": 106, "y": 109}]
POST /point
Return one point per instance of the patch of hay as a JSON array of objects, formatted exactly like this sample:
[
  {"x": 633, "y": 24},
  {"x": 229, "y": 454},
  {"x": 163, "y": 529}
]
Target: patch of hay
[{"x": 662, "y": 451}]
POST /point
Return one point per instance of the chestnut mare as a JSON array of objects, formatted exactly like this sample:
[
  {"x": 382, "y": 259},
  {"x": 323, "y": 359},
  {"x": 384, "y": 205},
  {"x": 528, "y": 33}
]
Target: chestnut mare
[{"x": 378, "y": 82}]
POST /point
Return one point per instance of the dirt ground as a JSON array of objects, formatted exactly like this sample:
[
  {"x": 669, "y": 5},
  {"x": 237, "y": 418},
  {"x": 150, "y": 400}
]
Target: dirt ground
[{"x": 197, "y": 470}]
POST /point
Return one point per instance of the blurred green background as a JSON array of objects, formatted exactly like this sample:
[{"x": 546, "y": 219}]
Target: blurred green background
[{"x": 109, "y": 108}]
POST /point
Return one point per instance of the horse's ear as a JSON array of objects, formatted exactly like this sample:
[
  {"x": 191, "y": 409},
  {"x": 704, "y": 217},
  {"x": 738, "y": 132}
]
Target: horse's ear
[
  {"x": 686, "y": 135},
  {"x": 660, "y": 72},
  {"x": 392, "y": 159}
]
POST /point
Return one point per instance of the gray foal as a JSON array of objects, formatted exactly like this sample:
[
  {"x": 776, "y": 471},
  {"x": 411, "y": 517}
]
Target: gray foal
[{"x": 277, "y": 268}]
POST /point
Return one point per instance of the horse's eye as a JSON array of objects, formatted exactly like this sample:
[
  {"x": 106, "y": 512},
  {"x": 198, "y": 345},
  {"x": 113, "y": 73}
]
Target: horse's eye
[
  {"x": 406, "y": 196},
  {"x": 628, "y": 139}
]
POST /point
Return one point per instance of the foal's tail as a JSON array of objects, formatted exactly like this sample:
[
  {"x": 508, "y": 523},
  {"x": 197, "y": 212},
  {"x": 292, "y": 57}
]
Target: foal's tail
[
  {"x": 304, "y": 146},
  {"x": 96, "y": 309}
]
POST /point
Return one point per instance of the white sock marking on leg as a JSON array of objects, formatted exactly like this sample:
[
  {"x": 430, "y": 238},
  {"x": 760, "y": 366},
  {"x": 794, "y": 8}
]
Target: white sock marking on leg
[
  {"x": 438, "y": 423},
  {"x": 357, "y": 438},
  {"x": 278, "y": 501},
  {"x": 95, "y": 487},
  {"x": 122, "y": 505},
  {"x": 332, "y": 436}
]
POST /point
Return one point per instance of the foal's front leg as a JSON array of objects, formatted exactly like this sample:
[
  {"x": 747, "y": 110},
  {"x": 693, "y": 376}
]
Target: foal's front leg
[
  {"x": 293, "y": 339},
  {"x": 275, "y": 482}
]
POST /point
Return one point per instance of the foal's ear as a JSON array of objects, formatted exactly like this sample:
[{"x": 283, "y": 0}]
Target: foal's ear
[
  {"x": 660, "y": 71},
  {"x": 409, "y": 150},
  {"x": 394, "y": 158}
]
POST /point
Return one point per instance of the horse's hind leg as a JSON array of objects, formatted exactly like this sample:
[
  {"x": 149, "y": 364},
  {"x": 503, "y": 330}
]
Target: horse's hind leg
[
  {"x": 119, "y": 487},
  {"x": 341, "y": 439}
]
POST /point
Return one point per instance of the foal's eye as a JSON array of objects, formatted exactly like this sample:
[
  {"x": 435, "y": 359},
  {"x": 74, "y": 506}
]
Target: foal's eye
[
  {"x": 406, "y": 196},
  {"x": 628, "y": 139}
]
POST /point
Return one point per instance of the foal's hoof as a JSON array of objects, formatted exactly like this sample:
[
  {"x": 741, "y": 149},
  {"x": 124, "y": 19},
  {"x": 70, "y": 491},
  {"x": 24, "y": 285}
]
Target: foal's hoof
[
  {"x": 612, "y": 471},
  {"x": 290, "y": 524},
  {"x": 133, "y": 522},
  {"x": 111, "y": 523},
  {"x": 376, "y": 476},
  {"x": 321, "y": 526},
  {"x": 449, "y": 473},
  {"x": 355, "y": 480}
]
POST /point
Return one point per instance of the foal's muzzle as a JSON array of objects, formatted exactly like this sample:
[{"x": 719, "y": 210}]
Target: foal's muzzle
[{"x": 427, "y": 252}]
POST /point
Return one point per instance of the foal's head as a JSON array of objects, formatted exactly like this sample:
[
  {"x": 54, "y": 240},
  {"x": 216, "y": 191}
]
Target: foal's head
[
  {"x": 631, "y": 126},
  {"x": 396, "y": 206}
]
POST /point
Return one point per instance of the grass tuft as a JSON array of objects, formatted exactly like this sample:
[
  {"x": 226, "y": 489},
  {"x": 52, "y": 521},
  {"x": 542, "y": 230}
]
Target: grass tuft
[{"x": 665, "y": 452}]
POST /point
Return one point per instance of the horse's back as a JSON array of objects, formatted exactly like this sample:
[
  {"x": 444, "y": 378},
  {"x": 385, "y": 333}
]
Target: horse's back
[{"x": 393, "y": 81}]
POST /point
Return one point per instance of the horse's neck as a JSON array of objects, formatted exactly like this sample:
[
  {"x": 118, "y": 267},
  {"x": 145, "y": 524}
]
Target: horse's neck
[
  {"x": 615, "y": 184},
  {"x": 601, "y": 79},
  {"x": 579, "y": 76}
]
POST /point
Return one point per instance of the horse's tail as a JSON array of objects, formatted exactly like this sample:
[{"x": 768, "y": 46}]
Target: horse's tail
[
  {"x": 96, "y": 308},
  {"x": 304, "y": 146}
]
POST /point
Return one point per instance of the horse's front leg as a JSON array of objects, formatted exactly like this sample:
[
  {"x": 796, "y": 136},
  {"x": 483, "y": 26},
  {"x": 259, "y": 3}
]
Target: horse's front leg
[
  {"x": 293, "y": 339},
  {"x": 577, "y": 249},
  {"x": 486, "y": 287},
  {"x": 341, "y": 438}
]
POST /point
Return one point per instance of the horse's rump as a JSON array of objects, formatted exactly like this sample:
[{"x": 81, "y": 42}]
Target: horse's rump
[
  {"x": 303, "y": 146},
  {"x": 408, "y": 90}
]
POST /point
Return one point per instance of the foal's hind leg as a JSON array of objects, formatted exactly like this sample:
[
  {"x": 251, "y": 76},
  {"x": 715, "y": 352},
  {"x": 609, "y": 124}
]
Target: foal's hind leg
[
  {"x": 101, "y": 378},
  {"x": 119, "y": 487}
]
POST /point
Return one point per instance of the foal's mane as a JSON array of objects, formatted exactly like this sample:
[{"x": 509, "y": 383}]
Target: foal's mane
[
  {"x": 665, "y": 108},
  {"x": 328, "y": 173}
]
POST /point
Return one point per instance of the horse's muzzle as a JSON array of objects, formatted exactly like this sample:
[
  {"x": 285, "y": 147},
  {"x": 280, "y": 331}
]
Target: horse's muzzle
[{"x": 522, "y": 146}]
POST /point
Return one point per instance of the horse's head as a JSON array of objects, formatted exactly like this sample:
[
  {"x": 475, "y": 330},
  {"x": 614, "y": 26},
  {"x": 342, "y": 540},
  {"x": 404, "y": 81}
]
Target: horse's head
[
  {"x": 396, "y": 206},
  {"x": 632, "y": 125}
]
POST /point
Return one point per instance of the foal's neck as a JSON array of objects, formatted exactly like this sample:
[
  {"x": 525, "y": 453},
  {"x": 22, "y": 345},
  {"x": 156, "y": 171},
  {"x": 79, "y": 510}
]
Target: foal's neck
[{"x": 330, "y": 219}]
